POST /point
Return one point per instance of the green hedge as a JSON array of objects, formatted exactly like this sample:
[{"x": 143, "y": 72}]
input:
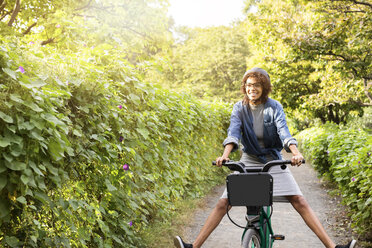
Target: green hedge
[
  {"x": 343, "y": 155},
  {"x": 90, "y": 154}
]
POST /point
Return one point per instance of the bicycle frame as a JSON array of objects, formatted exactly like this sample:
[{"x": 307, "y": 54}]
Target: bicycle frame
[
  {"x": 264, "y": 228},
  {"x": 260, "y": 225}
]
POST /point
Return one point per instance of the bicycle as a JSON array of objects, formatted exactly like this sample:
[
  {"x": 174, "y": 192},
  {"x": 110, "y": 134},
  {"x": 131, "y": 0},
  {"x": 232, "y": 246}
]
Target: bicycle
[{"x": 253, "y": 188}]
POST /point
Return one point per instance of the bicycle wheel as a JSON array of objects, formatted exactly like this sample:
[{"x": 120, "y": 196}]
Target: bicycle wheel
[{"x": 251, "y": 239}]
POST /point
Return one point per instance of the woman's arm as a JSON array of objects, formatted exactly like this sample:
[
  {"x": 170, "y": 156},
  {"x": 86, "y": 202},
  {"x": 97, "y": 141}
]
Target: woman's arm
[
  {"x": 225, "y": 155},
  {"x": 234, "y": 130},
  {"x": 282, "y": 128}
]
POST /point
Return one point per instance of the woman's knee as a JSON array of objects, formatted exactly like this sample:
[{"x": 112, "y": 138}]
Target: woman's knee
[
  {"x": 298, "y": 201},
  {"x": 222, "y": 204}
]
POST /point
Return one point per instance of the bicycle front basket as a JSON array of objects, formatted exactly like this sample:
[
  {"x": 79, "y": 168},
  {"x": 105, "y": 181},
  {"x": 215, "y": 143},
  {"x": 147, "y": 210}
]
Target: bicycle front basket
[{"x": 250, "y": 189}]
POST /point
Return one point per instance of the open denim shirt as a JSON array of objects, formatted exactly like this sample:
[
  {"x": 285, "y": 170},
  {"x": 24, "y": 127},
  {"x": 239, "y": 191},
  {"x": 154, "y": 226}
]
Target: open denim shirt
[{"x": 276, "y": 132}]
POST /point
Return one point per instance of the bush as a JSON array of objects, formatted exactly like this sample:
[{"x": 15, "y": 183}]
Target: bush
[
  {"x": 90, "y": 153},
  {"x": 343, "y": 155}
]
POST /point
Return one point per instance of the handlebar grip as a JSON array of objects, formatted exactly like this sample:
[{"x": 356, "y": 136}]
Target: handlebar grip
[
  {"x": 289, "y": 161},
  {"x": 223, "y": 163}
]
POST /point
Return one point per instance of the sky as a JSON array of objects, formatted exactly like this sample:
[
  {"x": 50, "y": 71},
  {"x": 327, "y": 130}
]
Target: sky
[{"x": 205, "y": 13}]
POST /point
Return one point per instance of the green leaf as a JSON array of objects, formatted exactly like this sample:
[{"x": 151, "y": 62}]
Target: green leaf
[
  {"x": 52, "y": 170},
  {"x": 52, "y": 119},
  {"x": 33, "y": 84},
  {"x": 2, "y": 167},
  {"x": 22, "y": 200},
  {"x": 34, "y": 107},
  {"x": 4, "y": 207},
  {"x": 8, "y": 157},
  {"x": 6, "y": 117},
  {"x": 77, "y": 133},
  {"x": 13, "y": 138},
  {"x": 12, "y": 241},
  {"x": 135, "y": 99},
  {"x": 37, "y": 123},
  {"x": 144, "y": 132},
  {"x": 35, "y": 134},
  {"x": 74, "y": 204},
  {"x": 15, "y": 165},
  {"x": 10, "y": 73},
  {"x": 25, "y": 179},
  {"x": 26, "y": 125},
  {"x": 4, "y": 142},
  {"x": 55, "y": 150},
  {"x": 12, "y": 128},
  {"x": 105, "y": 229},
  {"x": 3, "y": 181},
  {"x": 109, "y": 186},
  {"x": 33, "y": 238},
  {"x": 16, "y": 98},
  {"x": 42, "y": 197},
  {"x": 16, "y": 150}
]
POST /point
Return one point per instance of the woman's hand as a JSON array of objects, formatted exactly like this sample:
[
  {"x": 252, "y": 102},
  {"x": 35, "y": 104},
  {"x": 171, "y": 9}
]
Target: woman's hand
[
  {"x": 297, "y": 157},
  {"x": 225, "y": 155},
  {"x": 220, "y": 160}
]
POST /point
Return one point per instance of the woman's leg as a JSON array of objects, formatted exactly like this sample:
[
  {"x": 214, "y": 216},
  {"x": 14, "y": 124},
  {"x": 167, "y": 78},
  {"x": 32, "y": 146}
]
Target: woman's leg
[
  {"x": 304, "y": 209},
  {"x": 212, "y": 222}
]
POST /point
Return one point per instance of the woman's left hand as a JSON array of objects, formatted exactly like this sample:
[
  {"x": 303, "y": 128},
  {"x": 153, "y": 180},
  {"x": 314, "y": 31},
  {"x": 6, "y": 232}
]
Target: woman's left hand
[{"x": 297, "y": 159}]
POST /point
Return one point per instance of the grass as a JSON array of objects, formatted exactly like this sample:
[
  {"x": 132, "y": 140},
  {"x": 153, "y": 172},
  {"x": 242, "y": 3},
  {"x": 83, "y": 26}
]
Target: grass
[{"x": 160, "y": 233}]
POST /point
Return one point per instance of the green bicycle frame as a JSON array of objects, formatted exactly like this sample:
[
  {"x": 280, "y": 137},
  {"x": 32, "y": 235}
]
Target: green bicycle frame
[{"x": 265, "y": 231}]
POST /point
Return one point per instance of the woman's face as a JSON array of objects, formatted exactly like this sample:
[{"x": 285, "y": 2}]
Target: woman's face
[{"x": 253, "y": 90}]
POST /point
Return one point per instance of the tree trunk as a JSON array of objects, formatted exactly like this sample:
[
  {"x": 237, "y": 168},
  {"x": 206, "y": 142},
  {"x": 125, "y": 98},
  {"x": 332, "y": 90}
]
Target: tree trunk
[
  {"x": 16, "y": 10},
  {"x": 2, "y": 5},
  {"x": 367, "y": 86}
]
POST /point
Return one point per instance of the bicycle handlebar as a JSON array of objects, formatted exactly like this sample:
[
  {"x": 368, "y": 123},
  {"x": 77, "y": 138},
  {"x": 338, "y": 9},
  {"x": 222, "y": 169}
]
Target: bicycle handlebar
[{"x": 239, "y": 166}]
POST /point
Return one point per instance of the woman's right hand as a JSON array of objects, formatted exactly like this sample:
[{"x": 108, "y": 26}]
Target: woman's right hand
[{"x": 219, "y": 160}]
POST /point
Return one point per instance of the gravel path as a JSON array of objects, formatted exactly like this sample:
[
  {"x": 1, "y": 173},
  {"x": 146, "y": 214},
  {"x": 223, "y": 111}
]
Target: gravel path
[{"x": 285, "y": 220}]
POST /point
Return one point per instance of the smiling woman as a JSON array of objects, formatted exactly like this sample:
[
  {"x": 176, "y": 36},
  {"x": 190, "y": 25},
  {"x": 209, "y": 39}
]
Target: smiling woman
[{"x": 203, "y": 13}]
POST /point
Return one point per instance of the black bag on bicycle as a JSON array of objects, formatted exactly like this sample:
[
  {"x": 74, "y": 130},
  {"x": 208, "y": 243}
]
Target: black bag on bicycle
[{"x": 253, "y": 189}]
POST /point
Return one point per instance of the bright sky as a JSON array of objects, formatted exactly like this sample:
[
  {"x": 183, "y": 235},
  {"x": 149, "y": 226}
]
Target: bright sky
[{"x": 204, "y": 13}]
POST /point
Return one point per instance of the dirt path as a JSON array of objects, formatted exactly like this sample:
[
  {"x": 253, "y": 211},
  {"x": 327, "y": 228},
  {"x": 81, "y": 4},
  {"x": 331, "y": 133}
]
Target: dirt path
[{"x": 285, "y": 220}]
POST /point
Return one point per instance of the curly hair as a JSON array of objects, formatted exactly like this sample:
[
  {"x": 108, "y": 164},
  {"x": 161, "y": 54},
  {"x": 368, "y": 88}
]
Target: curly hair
[{"x": 262, "y": 80}]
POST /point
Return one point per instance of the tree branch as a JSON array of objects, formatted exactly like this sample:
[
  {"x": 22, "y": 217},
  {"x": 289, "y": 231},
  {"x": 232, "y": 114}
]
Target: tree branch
[
  {"x": 4, "y": 15},
  {"x": 134, "y": 31},
  {"x": 355, "y": 11},
  {"x": 330, "y": 53},
  {"x": 17, "y": 7},
  {"x": 29, "y": 28},
  {"x": 50, "y": 40},
  {"x": 85, "y": 6},
  {"x": 363, "y": 3},
  {"x": 2, "y": 5}
]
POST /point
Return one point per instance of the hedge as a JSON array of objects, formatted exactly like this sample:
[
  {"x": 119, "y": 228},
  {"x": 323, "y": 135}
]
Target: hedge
[
  {"x": 90, "y": 154},
  {"x": 343, "y": 155}
]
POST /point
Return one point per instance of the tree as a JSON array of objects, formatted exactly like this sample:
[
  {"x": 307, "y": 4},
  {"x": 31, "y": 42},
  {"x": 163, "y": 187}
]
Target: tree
[
  {"x": 139, "y": 28},
  {"x": 209, "y": 62},
  {"x": 291, "y": 39}
]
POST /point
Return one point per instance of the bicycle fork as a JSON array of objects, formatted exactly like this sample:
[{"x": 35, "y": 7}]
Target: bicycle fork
[{"x": 258, "y": 218}]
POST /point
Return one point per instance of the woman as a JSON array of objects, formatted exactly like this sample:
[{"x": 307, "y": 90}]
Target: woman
[{"x": 259, "y": 123}]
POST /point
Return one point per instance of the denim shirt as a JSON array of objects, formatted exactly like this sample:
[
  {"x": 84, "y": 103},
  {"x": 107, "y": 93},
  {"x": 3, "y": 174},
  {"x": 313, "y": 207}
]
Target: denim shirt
[{"x": 276, "y": 132}]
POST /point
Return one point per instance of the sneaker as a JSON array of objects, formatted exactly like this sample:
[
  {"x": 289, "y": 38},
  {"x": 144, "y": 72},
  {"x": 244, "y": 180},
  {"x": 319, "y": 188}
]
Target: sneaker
[
  {"x": 350, "y": 245},
  {"x": 178, "y": 242}
]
